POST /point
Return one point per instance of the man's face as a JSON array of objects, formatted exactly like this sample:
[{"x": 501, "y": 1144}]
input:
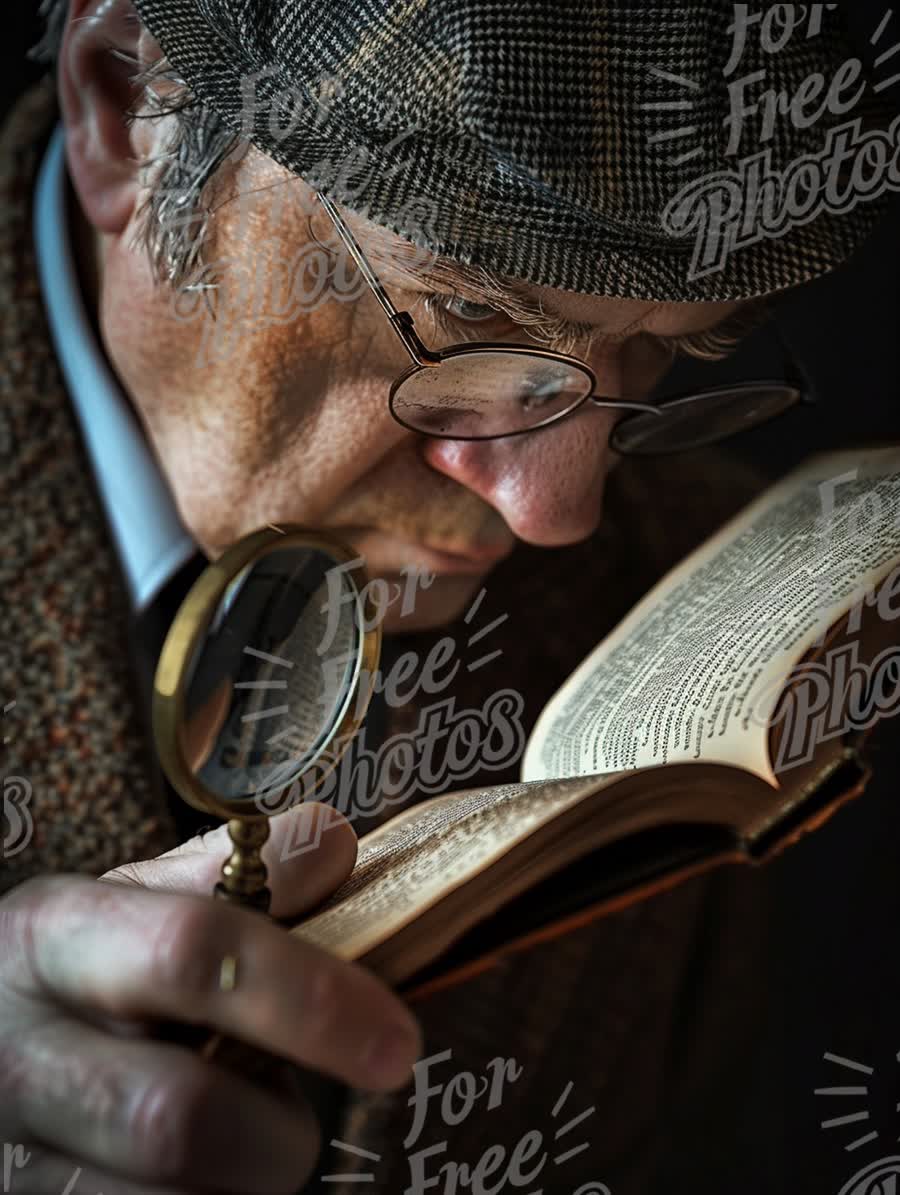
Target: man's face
[{"x": 269, "y": 422}]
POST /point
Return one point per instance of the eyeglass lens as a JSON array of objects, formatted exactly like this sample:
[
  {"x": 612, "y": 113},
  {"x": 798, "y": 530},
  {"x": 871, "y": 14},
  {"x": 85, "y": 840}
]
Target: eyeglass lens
[
  {"x": 485, "y": 394},
  {"x": 705, "y": 418}
]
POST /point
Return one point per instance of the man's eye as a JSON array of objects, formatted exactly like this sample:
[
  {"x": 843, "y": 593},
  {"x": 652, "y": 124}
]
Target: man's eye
[{"x": 463, "y": 309}]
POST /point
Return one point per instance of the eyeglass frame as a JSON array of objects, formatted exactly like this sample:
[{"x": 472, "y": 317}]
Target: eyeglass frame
[{"x": 423, "y": 358}]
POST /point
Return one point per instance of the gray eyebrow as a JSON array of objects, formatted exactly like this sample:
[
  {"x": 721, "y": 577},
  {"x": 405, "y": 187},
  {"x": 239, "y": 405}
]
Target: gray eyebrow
[{"x": 482, "y": 286}]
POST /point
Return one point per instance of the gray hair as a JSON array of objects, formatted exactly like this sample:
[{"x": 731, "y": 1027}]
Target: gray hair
[{"x": 174, "y": 217}]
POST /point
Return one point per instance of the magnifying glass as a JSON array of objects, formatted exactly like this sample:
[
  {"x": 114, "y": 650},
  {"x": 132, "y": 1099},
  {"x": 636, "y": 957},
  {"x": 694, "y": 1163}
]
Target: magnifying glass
[{"x": 263, "y": 680}]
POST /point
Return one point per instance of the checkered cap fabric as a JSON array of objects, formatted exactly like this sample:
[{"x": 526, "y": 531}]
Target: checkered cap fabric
[{"x": 541, "y": 139}]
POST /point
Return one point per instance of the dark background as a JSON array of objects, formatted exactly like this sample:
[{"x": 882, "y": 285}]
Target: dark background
[
  {"x": 835, "y": 949},
  {"x": 21, "y": 30}
]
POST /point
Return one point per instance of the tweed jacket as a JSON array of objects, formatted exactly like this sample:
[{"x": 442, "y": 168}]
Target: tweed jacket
[{"x": 610, "y": 1014}]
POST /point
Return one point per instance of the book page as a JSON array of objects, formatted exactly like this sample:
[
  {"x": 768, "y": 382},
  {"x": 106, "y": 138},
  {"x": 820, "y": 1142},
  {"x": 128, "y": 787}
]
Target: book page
[
  {"x": 425, "y": 853},
  {"x": 685, "y": 675}
]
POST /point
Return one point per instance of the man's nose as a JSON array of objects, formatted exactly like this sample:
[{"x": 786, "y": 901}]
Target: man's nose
[{"x": 547, "y": 485}]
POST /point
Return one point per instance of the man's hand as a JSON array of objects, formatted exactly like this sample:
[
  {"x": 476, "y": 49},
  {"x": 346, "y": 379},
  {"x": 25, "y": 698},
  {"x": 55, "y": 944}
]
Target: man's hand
[{"x": 86, "y": 966}]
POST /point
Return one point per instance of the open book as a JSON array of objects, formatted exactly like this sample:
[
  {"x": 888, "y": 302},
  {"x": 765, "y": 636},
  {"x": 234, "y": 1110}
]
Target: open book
[{"x": 721, "y": 720}]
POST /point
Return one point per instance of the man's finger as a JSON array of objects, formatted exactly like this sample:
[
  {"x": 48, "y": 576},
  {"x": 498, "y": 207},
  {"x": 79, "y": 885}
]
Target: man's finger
[
  {"x": 310, "y": 852},
  {"x": 36, "y": 1171},
  {"x": 128, "y": 953},
  {"x": 158, "y": 1114}
]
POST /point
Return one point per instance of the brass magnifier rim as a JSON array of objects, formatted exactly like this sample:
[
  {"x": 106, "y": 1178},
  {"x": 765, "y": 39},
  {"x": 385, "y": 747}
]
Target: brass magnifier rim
[{"x": 190, "y": 626}]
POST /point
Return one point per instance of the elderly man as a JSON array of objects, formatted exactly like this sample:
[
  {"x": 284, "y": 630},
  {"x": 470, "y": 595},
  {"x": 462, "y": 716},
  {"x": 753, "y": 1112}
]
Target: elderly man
[{"x": 604, "y": 186}]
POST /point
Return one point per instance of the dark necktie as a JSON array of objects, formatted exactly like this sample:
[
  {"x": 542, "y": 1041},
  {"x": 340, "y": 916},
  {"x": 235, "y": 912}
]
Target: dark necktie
[{"x": 148, "y": 634}]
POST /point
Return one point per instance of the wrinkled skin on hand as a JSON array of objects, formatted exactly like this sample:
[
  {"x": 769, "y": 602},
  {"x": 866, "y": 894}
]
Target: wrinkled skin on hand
[{"x": 88, "y": 970}]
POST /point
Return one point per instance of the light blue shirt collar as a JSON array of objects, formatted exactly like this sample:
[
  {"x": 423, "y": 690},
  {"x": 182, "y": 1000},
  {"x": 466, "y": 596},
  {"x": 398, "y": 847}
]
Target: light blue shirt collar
[{"x": 149, "y": 536}]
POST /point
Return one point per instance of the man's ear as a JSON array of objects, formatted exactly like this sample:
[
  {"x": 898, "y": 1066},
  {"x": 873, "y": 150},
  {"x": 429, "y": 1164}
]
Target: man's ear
[{"x": 96, "y": 93}]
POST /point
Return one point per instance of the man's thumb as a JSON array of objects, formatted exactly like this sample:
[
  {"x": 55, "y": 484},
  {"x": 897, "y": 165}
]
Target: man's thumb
[{"x": 310, "y": 852}]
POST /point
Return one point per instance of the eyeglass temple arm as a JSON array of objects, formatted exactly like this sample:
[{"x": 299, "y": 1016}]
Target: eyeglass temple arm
[
  {"x": 794, "y": 371},
  {"x": 401, "y": 321}
]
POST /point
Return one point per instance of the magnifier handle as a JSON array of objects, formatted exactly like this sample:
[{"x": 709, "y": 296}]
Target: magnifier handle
[
  {"x": 250, "y": 1062},
  {"x": 243, "y": 883},
  {"x": 244, "y": 874},
  {"x": 259, "y": 901},
  {"x": 276, "y": 1075}
]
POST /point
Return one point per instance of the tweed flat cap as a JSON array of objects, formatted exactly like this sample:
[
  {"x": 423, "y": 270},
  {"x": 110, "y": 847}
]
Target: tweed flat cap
[{"x": 687, "y": 150}]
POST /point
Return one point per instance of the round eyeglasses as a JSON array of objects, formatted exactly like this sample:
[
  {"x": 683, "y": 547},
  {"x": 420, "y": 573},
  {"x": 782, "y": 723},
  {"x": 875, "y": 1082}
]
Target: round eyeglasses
[{"x": 490, "y": 391}]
